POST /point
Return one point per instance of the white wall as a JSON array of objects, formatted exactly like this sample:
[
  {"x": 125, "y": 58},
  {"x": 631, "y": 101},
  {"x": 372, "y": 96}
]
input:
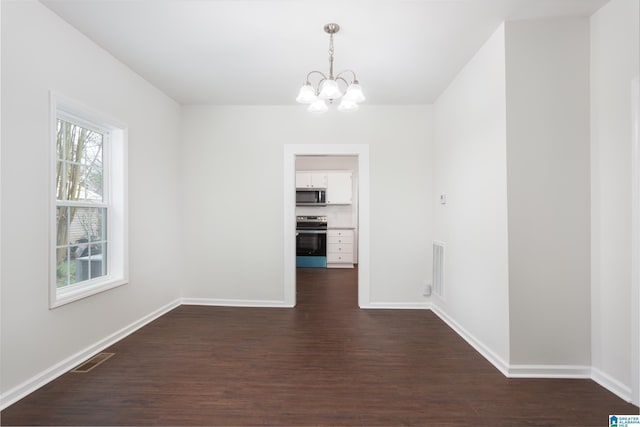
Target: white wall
[
  {"x": 470, "y": 167},
  {"x": 41, "y": 52},
  {"x": 614, "y": 63},
  {"x": 547, "y": 81},
  {"x": 233, "y": 178}
]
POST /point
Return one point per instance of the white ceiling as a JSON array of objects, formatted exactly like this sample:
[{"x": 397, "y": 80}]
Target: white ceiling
[{"x": 258, "y": 52}]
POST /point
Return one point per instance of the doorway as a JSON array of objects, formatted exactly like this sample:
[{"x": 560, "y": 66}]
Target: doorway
[{"x": 361, "y": 151}]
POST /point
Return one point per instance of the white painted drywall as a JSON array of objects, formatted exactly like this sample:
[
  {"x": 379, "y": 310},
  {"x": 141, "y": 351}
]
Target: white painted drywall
[
  {"x": 547, "y": 81},
  {"x": 470, "y": 168},
  {"x": 614, "y": 63},
  {"x": 233, "y": 198},
  {"x": 40, "y": 52}
]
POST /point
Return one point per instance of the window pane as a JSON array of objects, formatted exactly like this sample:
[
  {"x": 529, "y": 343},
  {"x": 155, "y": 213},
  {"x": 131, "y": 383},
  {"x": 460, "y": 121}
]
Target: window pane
[
  {"x": 80, "y": 165},
  {"x": 100, "y": 229},
  {"x": 90, "y": 187},
  {"x": 62, "y": 215},
  {"x": 60, "y": 141},
  {"x": 60, "y": 180},
  {"x": 65, "y": 271},
  {"x": 89, "y": 267},
  {"x": 92, "y": 162},
  {"x": 92, "y": 152},
  {"x": 87, "y": 224},
  {"x": 81, "y": 243},
  {"x": 103, "y": 251}
]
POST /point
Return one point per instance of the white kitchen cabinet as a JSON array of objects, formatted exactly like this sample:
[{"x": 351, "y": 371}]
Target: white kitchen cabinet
[
  {"x": 311, "y": 180},
  {"x": 339, "y": 188},
  {"x": 340, "y": 248}
]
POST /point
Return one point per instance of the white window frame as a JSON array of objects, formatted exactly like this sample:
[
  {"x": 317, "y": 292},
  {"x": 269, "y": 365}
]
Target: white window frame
[{"x": 115, "y": 199}]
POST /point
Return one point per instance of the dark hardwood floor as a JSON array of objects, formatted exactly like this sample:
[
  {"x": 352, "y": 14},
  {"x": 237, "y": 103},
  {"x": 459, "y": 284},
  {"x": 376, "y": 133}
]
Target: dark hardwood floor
[{"x": 323, "y": 363}]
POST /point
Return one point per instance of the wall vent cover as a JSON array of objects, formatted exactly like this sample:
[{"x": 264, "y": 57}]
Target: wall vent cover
[
  {"x": 438, "y": 268},
  {"x": 92, "y": 363}
]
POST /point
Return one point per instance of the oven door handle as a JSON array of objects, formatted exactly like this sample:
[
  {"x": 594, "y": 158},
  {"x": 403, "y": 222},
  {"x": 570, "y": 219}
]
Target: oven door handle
[{"x": 298, "y": 232}]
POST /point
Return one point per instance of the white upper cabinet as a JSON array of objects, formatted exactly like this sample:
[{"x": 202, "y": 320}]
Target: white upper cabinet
[
  {"x": 339, "y": 188},
  {"x": 311, "y": 180},
  {"x": 339, "y": 184}
]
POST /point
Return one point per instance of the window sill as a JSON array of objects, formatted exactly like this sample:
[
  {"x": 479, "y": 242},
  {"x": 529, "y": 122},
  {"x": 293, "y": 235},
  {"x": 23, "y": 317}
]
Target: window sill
[{"x": 76, "y": 292}]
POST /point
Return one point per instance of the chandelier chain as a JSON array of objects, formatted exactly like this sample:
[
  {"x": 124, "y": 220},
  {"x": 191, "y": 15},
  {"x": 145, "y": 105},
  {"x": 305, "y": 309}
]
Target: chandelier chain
[{"x": 331, "y": 56}]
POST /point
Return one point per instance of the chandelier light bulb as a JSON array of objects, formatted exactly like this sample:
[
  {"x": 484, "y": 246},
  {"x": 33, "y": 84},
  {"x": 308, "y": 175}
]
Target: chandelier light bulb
[
  {"x": 354, "y": 93},
  {"x": 306, "y": 95},
  {"x": 330, "y": 90},
  {"x": 319, "y": 106}
]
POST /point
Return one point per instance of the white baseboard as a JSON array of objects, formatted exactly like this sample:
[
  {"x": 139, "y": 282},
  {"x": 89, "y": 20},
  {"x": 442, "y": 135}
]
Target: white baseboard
[
  {"x": 398, "y": 305},
  {"x": 32, "y": 384},
  {"x": 235, "y": 302},
  {"x": 493, "y": 358},
  {"x": 538, "y": 371},
  {"x": 549, "y": 371},
  {"x": 611, "y": 384}
]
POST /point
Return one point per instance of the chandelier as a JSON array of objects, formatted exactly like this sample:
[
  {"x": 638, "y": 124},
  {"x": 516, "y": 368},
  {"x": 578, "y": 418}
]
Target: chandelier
[{"x": 328, "y": 87}]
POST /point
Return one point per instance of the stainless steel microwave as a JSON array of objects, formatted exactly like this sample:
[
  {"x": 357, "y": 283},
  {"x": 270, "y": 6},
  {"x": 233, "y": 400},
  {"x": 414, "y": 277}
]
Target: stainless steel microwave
[{"x": 311, "y": 197}]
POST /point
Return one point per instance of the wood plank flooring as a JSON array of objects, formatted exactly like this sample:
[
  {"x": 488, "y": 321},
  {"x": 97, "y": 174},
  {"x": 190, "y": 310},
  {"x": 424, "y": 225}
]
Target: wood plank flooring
[{"x": 323, "y": 363}]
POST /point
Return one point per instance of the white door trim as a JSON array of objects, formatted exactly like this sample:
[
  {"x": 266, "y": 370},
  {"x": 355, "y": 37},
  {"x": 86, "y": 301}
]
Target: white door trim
[
  {"x": 290, "y": 153},
  {"x": 635, "y": 241}
]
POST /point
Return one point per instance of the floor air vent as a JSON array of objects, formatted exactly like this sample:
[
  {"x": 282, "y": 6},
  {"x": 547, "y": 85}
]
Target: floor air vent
[
  {"x": 94, "y": 362},
  {"x": 438, "y": 268}
]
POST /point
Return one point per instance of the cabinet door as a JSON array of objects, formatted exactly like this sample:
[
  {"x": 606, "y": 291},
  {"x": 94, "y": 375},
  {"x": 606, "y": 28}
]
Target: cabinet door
[
  {"x": 303, "y": 180},
  {"x": 339, "y": 188},
  {"x": 311, "y": 180},
  {"x": 318, "y": 180}
]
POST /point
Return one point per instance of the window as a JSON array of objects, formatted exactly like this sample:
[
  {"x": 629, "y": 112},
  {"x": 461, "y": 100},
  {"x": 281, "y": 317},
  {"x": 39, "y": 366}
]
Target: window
[{"x": 89, "y": 214}]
